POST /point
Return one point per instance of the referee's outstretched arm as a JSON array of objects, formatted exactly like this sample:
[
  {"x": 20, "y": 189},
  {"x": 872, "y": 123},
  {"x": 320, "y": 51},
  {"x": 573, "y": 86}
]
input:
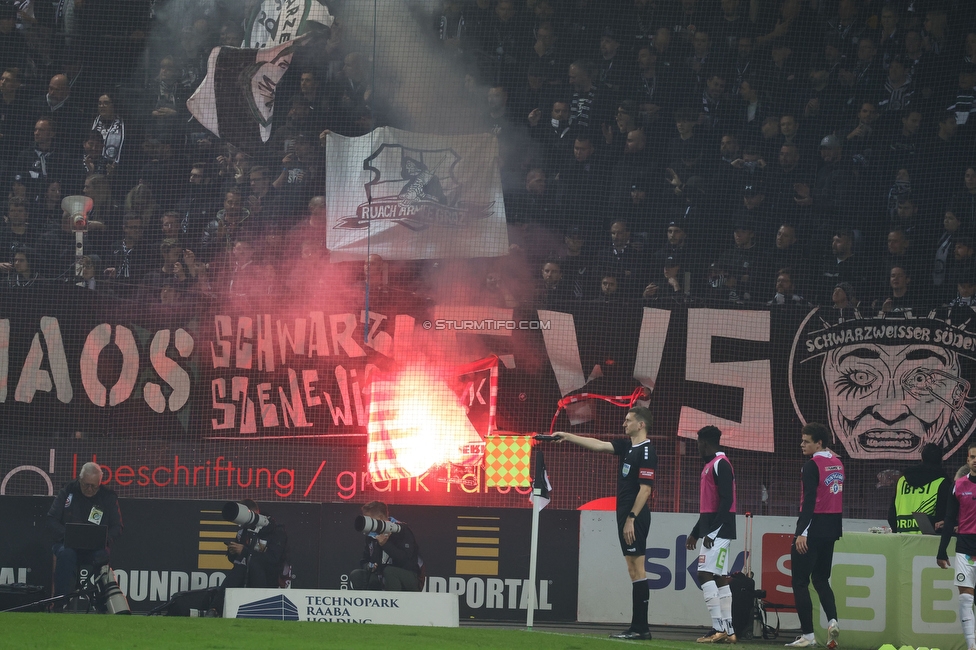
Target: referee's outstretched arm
[{"x": 587, "y": 443}]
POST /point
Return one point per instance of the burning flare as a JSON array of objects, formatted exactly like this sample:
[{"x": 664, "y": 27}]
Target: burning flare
[{"x": 416, "y": 422}]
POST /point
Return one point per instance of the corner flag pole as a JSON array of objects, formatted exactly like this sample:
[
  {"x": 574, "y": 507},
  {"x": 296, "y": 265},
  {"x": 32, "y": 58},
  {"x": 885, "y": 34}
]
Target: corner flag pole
[
  {"x": 533, "y": 557},
  {"x": 541, "y": 489}
]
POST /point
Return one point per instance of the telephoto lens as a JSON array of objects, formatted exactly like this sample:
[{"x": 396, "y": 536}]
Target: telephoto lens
[
  {"x": 243, "y": 516},
  {"x": 109, "y": 595},
  {"x": 368, "y": 525}
]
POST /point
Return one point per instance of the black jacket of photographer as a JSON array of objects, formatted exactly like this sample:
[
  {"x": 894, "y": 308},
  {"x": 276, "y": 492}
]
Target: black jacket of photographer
[
  {"x": 267, "y": 545},
  {"x": 400, "y": 551},
  {"x": 71, "y": 506}
]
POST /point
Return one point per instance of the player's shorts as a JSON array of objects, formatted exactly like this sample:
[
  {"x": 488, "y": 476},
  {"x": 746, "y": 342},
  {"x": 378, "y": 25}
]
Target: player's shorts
[
  {"x": 965, "y": 570},
  {"x": 716, "y": 560},
  {"x": 642, "y": 525}
]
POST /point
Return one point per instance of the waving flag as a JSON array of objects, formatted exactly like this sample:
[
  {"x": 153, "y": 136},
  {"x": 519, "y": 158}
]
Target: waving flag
[
  {"x": 275, "y": 22},
  {"x": 409, "y": 196},
  {"x": 235, "y": 101},
  {"x": 541, "y": 487}
]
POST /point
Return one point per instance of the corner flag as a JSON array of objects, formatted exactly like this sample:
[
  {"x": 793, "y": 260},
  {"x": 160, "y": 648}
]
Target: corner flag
[{"x": 541, "y": 487}]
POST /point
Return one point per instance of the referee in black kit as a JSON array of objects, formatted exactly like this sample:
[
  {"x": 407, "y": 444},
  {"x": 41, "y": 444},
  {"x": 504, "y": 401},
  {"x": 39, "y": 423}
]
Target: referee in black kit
[{"x": 635, "y": 482}]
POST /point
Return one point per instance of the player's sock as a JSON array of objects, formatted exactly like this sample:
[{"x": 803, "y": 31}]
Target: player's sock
[
  {"x": 966, "y": 617},
  {"x": 713, "y": 603},
  {"x": 725, "y": 603},
  {"x": 641, "y": 594}
]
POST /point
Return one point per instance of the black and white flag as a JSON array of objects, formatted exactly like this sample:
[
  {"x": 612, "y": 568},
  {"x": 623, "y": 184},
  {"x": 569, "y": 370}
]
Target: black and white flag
[
  {"x": 410, "y": 196},
  {"x": 235, "y": 101},
  {"x": 276, "y": 22},
  {"x": 541, "y": 487}
]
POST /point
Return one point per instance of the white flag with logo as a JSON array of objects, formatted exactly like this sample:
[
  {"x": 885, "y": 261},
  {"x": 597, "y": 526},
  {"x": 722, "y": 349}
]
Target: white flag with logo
[{"x": 410, "y": 196}]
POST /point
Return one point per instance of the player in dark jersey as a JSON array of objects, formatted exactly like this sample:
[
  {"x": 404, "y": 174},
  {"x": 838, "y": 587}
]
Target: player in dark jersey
[
  {"x": 635, "y": 482},
  {"x": 716, "y": 528},
  {"x": 961, "y": 511},
  {"x": 820, "y": 525}
]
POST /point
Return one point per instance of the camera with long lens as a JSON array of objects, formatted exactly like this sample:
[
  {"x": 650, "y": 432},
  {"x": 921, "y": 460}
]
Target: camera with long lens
[
  {"x": 243, "y": 516},
  {"x": 368, "y": 526},
  {"x": 102, "y": 584}
]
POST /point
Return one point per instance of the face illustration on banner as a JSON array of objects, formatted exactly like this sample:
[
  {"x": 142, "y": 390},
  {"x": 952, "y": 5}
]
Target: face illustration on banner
[
  {"x": 889, "y": 386},
  {"x": 893, "y": 398}
]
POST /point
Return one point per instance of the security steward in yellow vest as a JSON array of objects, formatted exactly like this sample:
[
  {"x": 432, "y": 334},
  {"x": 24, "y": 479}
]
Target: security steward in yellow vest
[{"x": 922, "y": 488}]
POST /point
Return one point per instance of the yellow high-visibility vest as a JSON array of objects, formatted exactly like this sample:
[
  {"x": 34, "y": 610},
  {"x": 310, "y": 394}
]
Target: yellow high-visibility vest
[{"x": 910, "y": 499}]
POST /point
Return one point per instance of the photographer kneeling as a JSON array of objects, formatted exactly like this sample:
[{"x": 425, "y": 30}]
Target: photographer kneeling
[
  {"x": 258, "y": 552},
  {"x": 391, "y": 560}
]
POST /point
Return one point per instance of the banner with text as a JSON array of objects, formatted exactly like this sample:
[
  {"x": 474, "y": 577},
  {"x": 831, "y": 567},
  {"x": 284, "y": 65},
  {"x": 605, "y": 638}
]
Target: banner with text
[{"x": 203, "y": 405}]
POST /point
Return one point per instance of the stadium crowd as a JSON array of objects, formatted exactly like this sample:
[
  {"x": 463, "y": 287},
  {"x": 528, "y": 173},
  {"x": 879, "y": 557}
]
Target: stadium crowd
[{"x": 736, "y": 152}]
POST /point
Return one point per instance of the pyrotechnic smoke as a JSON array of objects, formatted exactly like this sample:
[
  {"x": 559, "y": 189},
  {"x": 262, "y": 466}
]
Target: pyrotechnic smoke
[
  {"x": 425, "y": 89},
  {"x": 426, "y": 92}
]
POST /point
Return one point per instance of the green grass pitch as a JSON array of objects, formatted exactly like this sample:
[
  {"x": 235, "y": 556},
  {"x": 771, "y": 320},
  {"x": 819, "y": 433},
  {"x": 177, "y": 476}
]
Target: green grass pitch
[{"x": 65, "y": 631}]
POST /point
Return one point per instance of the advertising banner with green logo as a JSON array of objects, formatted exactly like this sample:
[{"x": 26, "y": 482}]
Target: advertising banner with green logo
[{"x": 890, "y": 590}]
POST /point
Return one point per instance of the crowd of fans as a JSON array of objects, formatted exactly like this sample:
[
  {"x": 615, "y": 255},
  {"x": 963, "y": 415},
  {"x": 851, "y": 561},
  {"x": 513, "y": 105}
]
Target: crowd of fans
[
  {"x": 786, "y": 153},
  {"x": 94, "y": 103},
  {"x": 746, "y": 152}
]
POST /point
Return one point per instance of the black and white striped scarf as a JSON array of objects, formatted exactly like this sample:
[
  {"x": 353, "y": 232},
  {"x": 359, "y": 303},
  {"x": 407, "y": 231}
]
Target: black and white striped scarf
[
  {"x": 114, "y": 135},
  {"x": 581, "y": 108},
  {"x": 898, "y": 98},
  {"x": 964, "y": 106}
]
